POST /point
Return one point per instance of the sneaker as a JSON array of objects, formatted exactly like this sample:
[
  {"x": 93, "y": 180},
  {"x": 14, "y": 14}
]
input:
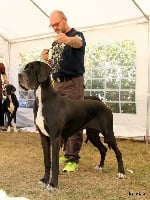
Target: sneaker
[
  {"x": 62, "y": 160},
  {"x": 70, "y": 167}
]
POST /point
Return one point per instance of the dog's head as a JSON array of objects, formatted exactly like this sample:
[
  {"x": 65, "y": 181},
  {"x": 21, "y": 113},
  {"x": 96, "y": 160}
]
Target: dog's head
[
  {"x": 9, "y": 89},
  {"x": 34, "y": 74}
]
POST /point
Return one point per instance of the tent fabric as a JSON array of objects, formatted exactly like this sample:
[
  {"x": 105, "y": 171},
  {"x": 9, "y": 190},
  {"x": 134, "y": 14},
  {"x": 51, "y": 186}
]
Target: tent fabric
[
  {"x": 24, "y": 27},
  {"x": 125, "y": 125},
  {"x": 23, "y": 19}
]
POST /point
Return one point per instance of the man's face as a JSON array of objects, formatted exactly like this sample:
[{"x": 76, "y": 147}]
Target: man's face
[{"x": 57, "y": 23}]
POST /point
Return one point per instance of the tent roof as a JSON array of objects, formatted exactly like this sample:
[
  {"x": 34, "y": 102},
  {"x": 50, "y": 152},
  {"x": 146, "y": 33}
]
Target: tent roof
[{"x": 29, "y": 18}]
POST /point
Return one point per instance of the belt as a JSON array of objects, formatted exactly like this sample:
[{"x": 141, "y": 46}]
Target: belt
[{"x": 64, "y": 79}]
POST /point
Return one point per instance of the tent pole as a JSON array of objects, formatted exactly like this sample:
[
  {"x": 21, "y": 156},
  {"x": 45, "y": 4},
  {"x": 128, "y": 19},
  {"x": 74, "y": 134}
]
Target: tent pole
[
  {"x": 148, "y": 96},
  {"x": 39, "y": 8},
  {"x": 140, "y": 10}
]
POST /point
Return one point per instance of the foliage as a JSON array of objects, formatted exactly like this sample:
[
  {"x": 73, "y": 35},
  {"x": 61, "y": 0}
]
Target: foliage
[
  {"x": 25, "y": 57},
  {"x": 26, "y": 98},
  {"x": 110, "y": 67},
  {"x": 110, "y": 74}
]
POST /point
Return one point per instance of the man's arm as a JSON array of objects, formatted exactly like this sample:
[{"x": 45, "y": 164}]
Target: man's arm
[{"x": 75, "y": 42}]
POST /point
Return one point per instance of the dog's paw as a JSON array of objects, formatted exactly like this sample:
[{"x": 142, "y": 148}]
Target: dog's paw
[
  {"x": 8, "y": 129},
  {"x": 15, "y": 130},
  {"x": 42, "y": 182},
  {"x": 121, "y": 176},
  {"x": 50, "y": 187},
  {"x": 98, "y": 168}
]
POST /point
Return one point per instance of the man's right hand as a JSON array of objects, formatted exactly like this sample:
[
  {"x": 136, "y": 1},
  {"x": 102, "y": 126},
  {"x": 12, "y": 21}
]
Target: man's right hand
[{"x": 44, "y": 56}]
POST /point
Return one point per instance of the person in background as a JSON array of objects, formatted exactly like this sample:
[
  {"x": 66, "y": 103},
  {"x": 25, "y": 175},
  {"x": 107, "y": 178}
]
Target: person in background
[
  {"x": 66, "y": 57},
  {"x": 3, "y": 80}
]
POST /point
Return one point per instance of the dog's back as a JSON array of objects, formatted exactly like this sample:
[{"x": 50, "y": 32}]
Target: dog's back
[{"x": 92, "y": 98}]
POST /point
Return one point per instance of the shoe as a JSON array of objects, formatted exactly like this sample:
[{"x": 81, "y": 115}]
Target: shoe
[
  {"x": 62, "y": 160},
  {"x": 70, "y": 167}
]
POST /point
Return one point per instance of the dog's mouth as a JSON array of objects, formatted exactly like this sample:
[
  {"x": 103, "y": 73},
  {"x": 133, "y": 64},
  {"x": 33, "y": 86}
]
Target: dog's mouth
[
  {"x": 23, "y": 86},
  {"x": 23, "y": 82}
]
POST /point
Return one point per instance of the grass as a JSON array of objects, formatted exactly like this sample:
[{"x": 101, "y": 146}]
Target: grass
[{"x": 21, "y": 165}]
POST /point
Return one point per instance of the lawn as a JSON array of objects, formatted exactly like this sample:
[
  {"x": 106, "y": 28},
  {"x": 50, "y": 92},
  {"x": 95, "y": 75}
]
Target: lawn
[{"x": 21, "y": 165}]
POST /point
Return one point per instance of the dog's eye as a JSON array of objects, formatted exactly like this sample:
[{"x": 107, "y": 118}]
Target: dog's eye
[
  {"x": 28, "y": 66},
  {"x": 25, "y": 68}
]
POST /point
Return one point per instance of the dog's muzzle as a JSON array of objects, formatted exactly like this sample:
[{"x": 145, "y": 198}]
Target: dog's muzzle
[{"x": 23, "y": 81}]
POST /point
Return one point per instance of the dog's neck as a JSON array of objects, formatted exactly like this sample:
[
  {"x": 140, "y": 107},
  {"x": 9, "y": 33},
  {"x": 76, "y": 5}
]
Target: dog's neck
[
  {"x": 11, "y": 105},
  {"x": 48, "y": 86},
  {"x": 48, "y": 83},
  {"x": 39, "y": 118}
]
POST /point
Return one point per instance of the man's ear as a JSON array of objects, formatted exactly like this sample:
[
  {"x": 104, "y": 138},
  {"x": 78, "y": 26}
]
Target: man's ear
[{"x": 44, "y": 72}]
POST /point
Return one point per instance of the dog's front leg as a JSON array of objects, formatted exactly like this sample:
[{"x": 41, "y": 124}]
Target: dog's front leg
[
  {"x": 14, "y": 125},
  {"x": 9, "y": 121},
  {"x": 45, "y": 142},
  {"x": 55, "y": 164}
]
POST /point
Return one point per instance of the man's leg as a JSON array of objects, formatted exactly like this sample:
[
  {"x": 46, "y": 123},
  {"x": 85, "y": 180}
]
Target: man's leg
[
  {"x": 1, "y": 114},
  {"x": 73, "y": 89}
]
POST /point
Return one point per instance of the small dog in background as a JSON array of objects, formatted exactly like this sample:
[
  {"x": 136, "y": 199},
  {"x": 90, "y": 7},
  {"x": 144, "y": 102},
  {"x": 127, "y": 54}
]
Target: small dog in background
[{"x": 10, "y": 106}]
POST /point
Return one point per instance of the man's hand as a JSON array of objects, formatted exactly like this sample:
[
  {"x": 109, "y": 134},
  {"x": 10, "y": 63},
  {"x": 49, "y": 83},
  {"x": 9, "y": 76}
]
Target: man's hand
[
  {"x": 45, "y": 56},
  {"x": 62, "y": 38},
  {"x": 75, "y": 42}
]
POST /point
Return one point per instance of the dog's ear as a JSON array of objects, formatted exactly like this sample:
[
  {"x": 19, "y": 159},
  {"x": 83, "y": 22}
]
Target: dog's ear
[
  {"x": 13, "y": 89},
  {"x": 45, "y": 71}
]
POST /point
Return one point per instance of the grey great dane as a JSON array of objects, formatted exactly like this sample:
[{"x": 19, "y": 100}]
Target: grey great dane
[{"x": 58, "y": 117}]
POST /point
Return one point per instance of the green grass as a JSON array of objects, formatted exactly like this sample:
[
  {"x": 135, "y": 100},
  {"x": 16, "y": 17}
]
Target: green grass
[{"x": 21, "y": 165}]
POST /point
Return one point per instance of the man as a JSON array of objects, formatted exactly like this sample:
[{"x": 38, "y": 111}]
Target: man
[
  {"x": 66, "y": 58},
  {"x": 3, "y": 79}
]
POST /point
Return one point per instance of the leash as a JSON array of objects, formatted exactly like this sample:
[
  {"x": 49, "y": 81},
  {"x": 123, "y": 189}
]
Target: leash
[{"x": 52, "y": 81}]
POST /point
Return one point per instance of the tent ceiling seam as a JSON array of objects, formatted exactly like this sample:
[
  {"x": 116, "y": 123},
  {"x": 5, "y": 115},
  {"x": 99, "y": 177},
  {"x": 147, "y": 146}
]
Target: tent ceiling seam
[
  {"x": 146, "y": 16},
  {"x": 87, "y": 28},
  {"x": 37, "y": 6}
]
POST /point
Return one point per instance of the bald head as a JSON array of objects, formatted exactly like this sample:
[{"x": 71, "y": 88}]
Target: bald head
[
  {"x": 57, "y": 13},
  {"x": 58, "y": 21}
]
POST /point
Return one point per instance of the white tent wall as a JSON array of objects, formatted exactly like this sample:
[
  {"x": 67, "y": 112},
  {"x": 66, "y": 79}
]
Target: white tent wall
[
  {"x": 24, "y": 115},
  {"x": 125, "y": 125},
  {"x": 130, "y": 125}
]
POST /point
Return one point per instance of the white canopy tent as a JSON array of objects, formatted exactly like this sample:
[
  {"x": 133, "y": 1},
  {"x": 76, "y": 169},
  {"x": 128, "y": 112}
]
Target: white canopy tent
[
  {"x": 29, "y": 18},
  {"x": 24, "y": 26}
]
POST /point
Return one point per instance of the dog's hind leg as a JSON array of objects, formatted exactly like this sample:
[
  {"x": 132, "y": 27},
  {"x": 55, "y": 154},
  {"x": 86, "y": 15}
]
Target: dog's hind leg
[
  {"x": 112, "y": 143},
  {"x": 93, "y": 136},
  {"x": 45, "y": 142}
]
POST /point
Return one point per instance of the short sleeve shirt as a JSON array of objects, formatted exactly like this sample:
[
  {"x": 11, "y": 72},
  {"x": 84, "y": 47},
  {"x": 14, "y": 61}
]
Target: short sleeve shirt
[{"x": 66, "y": 60}]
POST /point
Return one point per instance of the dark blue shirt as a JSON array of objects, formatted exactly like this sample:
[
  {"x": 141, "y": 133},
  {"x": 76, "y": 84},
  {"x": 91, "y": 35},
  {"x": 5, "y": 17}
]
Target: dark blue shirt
[{"x": 66, "y": 60}]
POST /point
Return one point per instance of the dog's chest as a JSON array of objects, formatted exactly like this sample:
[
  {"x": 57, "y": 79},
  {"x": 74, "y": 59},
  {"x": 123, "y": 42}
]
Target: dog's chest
[
  {"x": 11, "y": 106},
  {"x": 39, "y": 118}
]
